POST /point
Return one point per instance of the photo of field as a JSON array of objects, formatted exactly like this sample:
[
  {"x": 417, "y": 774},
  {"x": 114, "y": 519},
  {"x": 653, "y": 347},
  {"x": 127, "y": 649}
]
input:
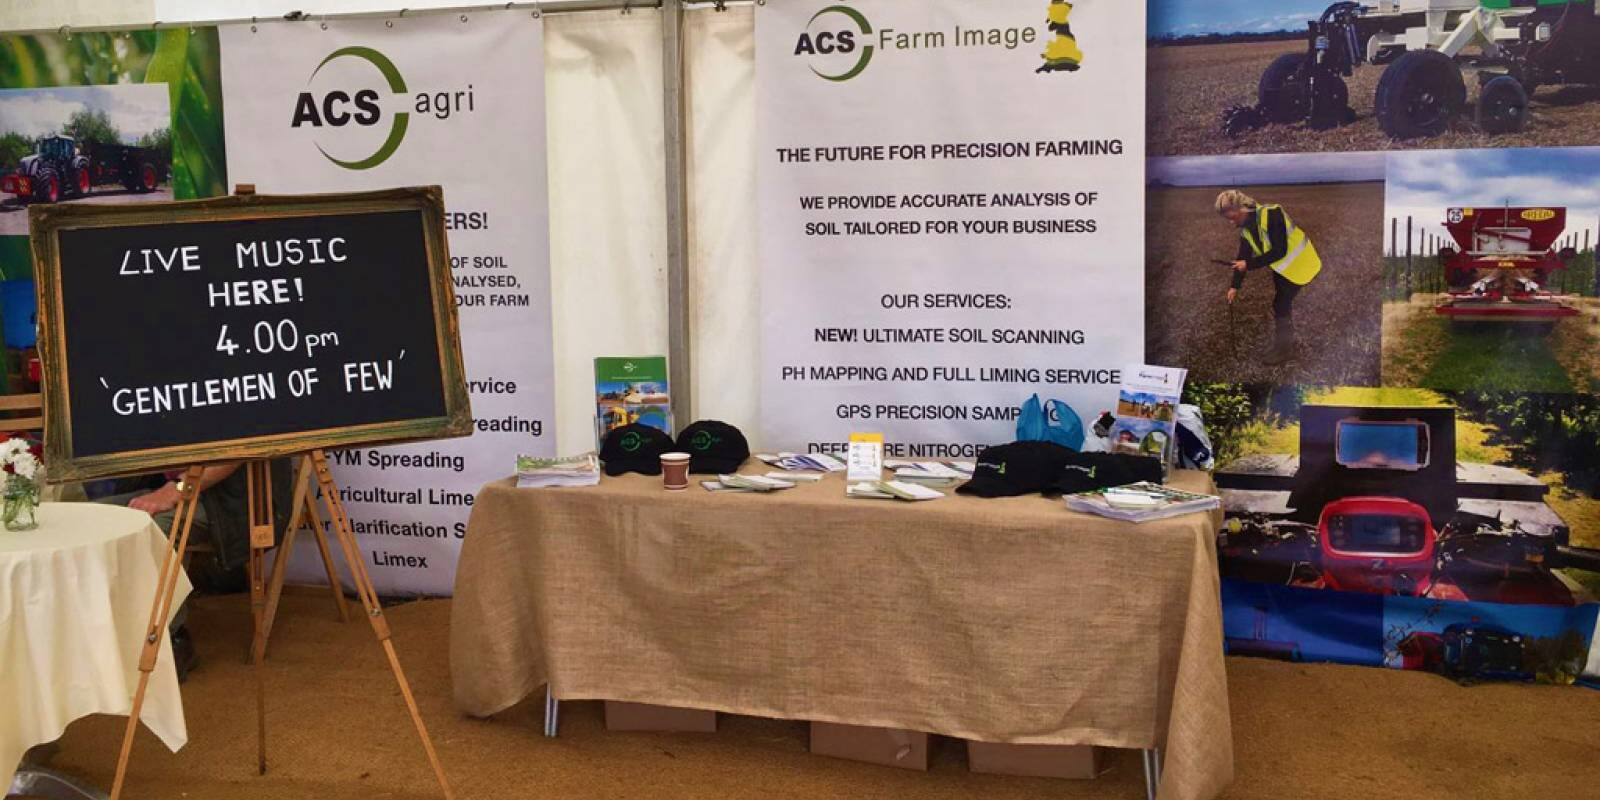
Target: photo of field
[
  {"x": 1338, "y": 317},
  {"x": 1191, "y": 85},
  {"x": 1425, "y": 348}
]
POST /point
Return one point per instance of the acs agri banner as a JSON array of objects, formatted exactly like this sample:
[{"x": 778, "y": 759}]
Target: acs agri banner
[
  {"x": 367, "y": 104},
  {"x": 951, "y": 215}
]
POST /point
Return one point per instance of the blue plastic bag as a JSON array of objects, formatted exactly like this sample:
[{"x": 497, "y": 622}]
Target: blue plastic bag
[{"x": 1033, "y": 425}]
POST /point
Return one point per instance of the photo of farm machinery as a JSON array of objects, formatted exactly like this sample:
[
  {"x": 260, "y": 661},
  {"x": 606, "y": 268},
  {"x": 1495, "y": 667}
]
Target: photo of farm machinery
[
  {"x": 1513, "y": 46},
  {"x": 61, "y": 168},
  {"x": 1376, "y": 503},
  {"x": 1501, "y": 263},
  {"x": 1467, "y": 651}
]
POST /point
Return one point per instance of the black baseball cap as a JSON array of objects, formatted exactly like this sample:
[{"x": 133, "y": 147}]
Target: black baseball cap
[
  {"x": 1086, "y": 472},
  {"x": 1019, "y": 468},
  {"x": 635, "y": 448},
  {"x": 714, "y": 448}
]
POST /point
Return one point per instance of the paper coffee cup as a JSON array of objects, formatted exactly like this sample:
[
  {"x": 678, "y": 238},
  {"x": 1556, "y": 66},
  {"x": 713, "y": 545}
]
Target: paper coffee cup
[{"x": 675, "y": 471}]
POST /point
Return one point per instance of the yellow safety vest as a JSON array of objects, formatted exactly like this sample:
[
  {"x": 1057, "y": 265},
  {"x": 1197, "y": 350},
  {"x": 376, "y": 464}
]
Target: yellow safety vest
[{"x": 1301, "y": 263}]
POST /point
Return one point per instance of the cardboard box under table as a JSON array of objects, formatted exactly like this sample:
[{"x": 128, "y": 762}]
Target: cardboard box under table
[
  {"x": 646, "y": 717},
  {"x": 1009, "y": 621},
  {"x": 1036, "y": 760},
  {"x": 887, "y": 746}
]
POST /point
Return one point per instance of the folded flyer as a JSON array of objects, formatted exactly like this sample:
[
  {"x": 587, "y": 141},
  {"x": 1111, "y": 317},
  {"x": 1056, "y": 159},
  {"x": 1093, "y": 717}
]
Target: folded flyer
[
  {"x": 891, "y": 490},
  {"x": 748, "y": 483}
]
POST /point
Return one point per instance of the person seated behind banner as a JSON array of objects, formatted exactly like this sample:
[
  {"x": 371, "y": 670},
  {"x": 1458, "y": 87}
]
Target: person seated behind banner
[{"x": 221, "y": 520}]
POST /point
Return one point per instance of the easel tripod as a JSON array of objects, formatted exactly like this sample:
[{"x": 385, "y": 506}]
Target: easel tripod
[{"x": 259, "y": 493}]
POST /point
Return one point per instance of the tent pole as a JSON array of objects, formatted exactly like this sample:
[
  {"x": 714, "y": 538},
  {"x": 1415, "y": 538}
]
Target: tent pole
[{"x": 679, "y": 299}]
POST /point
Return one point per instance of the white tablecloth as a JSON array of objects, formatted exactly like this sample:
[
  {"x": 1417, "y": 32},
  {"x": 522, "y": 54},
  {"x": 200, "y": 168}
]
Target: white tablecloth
[{"x": 75, "y": 597}]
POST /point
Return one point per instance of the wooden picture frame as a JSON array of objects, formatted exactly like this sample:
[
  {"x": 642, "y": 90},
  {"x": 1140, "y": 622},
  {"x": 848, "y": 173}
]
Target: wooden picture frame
[{"x": 49, "y": 221}]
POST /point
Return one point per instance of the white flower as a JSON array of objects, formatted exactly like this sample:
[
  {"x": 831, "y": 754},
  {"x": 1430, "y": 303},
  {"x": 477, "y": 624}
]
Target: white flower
[
  {"x": 16, "y": 454},
  {"x": 12, "y": 447}
]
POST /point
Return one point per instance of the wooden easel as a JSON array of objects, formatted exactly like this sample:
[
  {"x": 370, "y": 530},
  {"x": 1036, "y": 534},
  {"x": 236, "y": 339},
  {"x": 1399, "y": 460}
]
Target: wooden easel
[
  {"x": 259, "y": 493},
  {"x": 304, "y": 515}
]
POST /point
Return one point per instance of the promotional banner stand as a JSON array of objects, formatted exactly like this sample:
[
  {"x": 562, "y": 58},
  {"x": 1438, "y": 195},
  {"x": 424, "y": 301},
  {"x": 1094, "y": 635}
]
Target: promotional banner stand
[{"x": 259, "y": 491}]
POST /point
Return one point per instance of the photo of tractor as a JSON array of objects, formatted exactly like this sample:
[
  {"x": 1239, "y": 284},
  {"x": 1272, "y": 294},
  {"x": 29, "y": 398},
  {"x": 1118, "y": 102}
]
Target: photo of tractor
[
  {"x": 1377, "y": 503},
  {"x": 60, "y": 168},
  {"x": 83, "y": 144},
  {"x": 1263, "y": 76},
  {"x": 1515, "y": 46},
  {"x": 1469, "y": 652}
]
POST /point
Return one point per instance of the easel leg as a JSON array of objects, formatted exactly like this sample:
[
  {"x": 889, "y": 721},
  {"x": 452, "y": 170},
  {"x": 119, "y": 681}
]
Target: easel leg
[
  {"x": 327, "y": 558},
  {"x": 280, "y": 570},
  {"x": 258, "y": 490},
  {"x": 369, "y": 599},
  {"x": 304, "y": 515},
  {"x": 160, "y": 611}
]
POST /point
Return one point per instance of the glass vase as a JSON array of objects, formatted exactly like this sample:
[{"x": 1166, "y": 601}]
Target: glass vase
[{"x": 20, "y": 505}]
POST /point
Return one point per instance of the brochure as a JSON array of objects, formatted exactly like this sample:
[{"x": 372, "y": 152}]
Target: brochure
[
  {"x": 927, "y": 473},
  {"x": 891, "y": 490},
  {"x": 1147, "y": 412},
  {"x": 746, "y": 483},
  {"x": 865, "y": 456},
  {"x": 795, "y": 477},
  {"x": 1141, "y": 502},
  {"x": 754, "y": 483},
  {"x": 803, "y": 462},
  {"x": 630, "y": 390}
]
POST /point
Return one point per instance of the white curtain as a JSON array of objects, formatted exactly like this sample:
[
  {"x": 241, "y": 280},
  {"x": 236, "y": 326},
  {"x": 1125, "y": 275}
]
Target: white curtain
[
  {"x": 27, "y": 15},
  {"x": 725, "y": 321},
  {"x": 608, "y": 223}
]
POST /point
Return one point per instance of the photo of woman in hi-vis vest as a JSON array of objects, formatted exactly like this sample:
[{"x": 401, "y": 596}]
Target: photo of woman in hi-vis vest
[{"x": 1268, "y": 238}]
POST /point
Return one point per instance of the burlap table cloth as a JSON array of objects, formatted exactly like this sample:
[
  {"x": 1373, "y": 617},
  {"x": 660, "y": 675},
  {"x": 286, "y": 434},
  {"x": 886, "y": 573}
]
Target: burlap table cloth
[{"x": 1011, "y": 620}]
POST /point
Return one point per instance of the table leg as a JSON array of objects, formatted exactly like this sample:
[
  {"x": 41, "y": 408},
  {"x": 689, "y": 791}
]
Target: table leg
[
  {"x": 1152, "y": 772},
  {"x": 47, "y": 784},
  {"x": 552, "y": 713}
]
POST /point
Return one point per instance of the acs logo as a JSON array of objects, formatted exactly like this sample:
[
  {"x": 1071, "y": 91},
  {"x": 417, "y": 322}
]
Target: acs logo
[
  {"x": 339, "y": 107},
  {"x": 832, "y": 35}
]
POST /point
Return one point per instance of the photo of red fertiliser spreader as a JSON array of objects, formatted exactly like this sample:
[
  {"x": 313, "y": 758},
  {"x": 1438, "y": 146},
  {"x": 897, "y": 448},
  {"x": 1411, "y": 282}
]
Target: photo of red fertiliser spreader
[{"x": 1499, "y": 269}]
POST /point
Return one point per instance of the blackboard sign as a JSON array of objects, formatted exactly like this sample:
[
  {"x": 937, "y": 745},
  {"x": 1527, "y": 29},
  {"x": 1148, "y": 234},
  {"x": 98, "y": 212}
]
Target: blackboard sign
[{"x": 244, "y": 327}]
